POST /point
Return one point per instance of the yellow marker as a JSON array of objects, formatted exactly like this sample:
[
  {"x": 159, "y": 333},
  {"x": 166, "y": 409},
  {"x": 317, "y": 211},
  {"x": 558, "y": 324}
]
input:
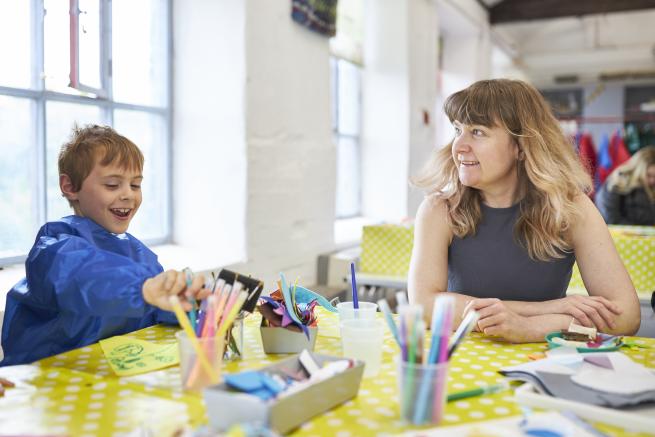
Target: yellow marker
[{"x": 184, "y": 323}]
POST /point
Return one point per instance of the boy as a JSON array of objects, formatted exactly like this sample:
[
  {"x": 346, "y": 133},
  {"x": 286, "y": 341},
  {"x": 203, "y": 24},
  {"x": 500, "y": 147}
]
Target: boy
[{"x": 86, "y": 279}]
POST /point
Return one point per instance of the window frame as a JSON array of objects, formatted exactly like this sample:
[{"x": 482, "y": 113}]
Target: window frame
[
  {"x": 40, "y": 96},
  {"x": 337, "y": 134},
  {"x": 104, "y": 48}
]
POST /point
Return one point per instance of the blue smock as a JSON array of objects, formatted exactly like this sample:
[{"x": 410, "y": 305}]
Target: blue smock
[{"x": 82, "y": 284}]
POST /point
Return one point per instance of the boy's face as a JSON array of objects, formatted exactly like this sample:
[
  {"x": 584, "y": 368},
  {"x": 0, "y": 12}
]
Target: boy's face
[{"x": 110, "y": 196}]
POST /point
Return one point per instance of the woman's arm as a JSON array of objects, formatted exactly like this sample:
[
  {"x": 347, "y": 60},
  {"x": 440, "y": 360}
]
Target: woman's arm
[
  {"x": 497, "y": 319},
  {"x": 592, "y": 311},
  {"x": 612, "y": 306},
  {"x": 601, "y": 268},
  {"x": 428, "y": 269}
]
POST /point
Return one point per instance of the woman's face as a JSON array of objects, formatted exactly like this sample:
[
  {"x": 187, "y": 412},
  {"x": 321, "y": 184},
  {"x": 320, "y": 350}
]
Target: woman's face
[
  {"x": 486, "y": 158},
  {"x": 650, "y": 176}
]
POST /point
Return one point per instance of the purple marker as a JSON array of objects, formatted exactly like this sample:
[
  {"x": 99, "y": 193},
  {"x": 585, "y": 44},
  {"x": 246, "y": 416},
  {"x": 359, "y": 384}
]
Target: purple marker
[{"x": 354, "y": 284}]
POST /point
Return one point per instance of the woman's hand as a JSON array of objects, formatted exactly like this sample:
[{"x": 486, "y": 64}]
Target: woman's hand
[
  {"x": 5, "y": 383},
  {"x": 157, "y": 290},
  {"x": 590, "y": 311},
  {"x": 497, "y": 320}
]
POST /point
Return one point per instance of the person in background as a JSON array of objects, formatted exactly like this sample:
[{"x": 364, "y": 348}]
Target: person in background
[
  {"x": 86, "y": 278},
  {"x": 505, "y": 218},
  {"x": 628, "y": 195}
]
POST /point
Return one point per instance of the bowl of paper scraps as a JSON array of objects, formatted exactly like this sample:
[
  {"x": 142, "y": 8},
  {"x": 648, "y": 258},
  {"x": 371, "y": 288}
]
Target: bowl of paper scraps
[{"x": 289, "y": 321}]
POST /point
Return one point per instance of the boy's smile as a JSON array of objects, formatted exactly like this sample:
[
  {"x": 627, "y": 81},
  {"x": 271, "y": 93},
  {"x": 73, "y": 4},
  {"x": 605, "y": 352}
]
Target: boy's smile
[{"x": 110, "y": 196}]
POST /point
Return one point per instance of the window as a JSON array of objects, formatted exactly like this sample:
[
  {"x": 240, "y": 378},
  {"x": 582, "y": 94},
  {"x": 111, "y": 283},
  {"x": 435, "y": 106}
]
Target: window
[
  {"x": 345, "y": 69},
  {"x": 118, "y": 75},
  {"x": 346, "y": 101}
]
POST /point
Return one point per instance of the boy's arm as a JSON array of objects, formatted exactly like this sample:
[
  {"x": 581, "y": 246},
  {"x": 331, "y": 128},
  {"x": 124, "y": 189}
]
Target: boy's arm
[{"x": 69, "y": 273}]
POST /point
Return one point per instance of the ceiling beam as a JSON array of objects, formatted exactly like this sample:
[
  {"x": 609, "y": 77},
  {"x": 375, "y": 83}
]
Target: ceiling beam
[{"x": 524, "y": 10}]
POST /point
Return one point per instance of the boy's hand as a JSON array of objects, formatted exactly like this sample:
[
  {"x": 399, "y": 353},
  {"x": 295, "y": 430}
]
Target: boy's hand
[{"x": 156, "y": 291}]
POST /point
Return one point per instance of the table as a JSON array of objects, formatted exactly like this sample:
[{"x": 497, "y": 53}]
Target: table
[{"x": 76, "y": 393}]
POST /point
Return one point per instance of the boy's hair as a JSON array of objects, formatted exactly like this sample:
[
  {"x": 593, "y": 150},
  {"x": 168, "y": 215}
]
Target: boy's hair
[{"x": 91, "y": 144}]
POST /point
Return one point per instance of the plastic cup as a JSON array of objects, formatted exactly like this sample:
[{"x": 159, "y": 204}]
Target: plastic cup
[
  {"x": 366, "y": 310},
  {"x": 422, "y": 392},
  {"x": 362, "y": 339},
  {"x": 196, "y": 375}
]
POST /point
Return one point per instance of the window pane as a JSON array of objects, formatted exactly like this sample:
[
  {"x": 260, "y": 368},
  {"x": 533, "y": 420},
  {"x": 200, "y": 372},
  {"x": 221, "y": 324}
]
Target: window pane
[
  {"x": 89, "y": 43},
  {"x": 348, "y": 177},
  {"x": 148, "y": 131},
  {"x": 140, "y": 50},
  {"x": 56, "y": 28},
  {"x": 18, "y": 195},
  {"x": 60, "y": 119},
  {"x": 348, "y": 109},
  {"x": 16, "y": 46}
]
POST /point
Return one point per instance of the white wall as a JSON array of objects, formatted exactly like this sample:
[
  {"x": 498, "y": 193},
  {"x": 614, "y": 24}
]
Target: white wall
[
  {"x": 466, "y": 54},
  {"x": 423, "y": 69},
  {"x": 399, "y": 83},
  {"x": 254, "y": 159},
  {"x": 209, "y": 140},
  {"x": 291, "y": 154},
  {"x": 385, "y": 107}
]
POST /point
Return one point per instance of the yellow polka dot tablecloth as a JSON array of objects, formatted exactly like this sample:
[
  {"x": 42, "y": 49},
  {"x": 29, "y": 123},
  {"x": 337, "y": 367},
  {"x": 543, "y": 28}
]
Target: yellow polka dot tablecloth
[
  {"x": 76, "y": 393},
  {"x": 386, "y": 249},
  {"x": 636, "y": 247}
]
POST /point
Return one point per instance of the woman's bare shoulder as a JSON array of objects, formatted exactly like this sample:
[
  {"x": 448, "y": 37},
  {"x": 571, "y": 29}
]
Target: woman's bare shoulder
[
  {"x": 433, "y": 207},
  {"x": 432, "y": 217}
]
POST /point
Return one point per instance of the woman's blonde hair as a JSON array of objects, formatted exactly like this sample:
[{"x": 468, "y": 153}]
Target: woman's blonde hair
[
  {"x": 550, "y": 173},
  {"x": 632, "y": 173}
]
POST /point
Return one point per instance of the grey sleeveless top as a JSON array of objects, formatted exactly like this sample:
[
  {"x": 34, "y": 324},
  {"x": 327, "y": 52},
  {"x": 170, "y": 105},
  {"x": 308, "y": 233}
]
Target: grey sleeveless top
[{"x": 492, "y": 263}]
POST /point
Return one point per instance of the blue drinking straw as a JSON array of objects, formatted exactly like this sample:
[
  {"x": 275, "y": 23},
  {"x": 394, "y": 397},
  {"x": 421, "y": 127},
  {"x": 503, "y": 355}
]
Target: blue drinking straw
[
  {"x": 384, "y": 307},
  {"x": 354, "y": 284}
]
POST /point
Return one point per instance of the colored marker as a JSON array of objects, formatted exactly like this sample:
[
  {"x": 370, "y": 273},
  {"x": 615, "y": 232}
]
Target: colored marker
[
  {"x": 463, "y": 330},
  {"x": 489, "y": 389},
  {"x": 354, "y": 285},
  {"x": 384, "y": 307}
]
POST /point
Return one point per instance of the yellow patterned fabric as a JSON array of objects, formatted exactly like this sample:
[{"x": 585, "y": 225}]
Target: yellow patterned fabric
[
  {"x": 636, "y": 247},
  {"x": 76, "y": 393},
  {"x": 386, "y": 249}
]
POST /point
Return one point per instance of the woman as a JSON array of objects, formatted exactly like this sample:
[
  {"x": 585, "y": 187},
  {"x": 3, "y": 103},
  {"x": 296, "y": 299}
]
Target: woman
[
  {"x": 628, "y": 195},
  {"x": 505, "y": 218}
]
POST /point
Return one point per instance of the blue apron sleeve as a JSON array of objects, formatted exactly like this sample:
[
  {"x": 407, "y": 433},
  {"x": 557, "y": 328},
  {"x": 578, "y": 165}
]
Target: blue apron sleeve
[
  {"x": 166, "y": 317},
  {"x": 71, "y": 274}
]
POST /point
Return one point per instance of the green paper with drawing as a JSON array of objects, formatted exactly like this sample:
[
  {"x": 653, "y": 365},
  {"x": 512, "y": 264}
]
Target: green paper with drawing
[{"x": 129, "y": 356}]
